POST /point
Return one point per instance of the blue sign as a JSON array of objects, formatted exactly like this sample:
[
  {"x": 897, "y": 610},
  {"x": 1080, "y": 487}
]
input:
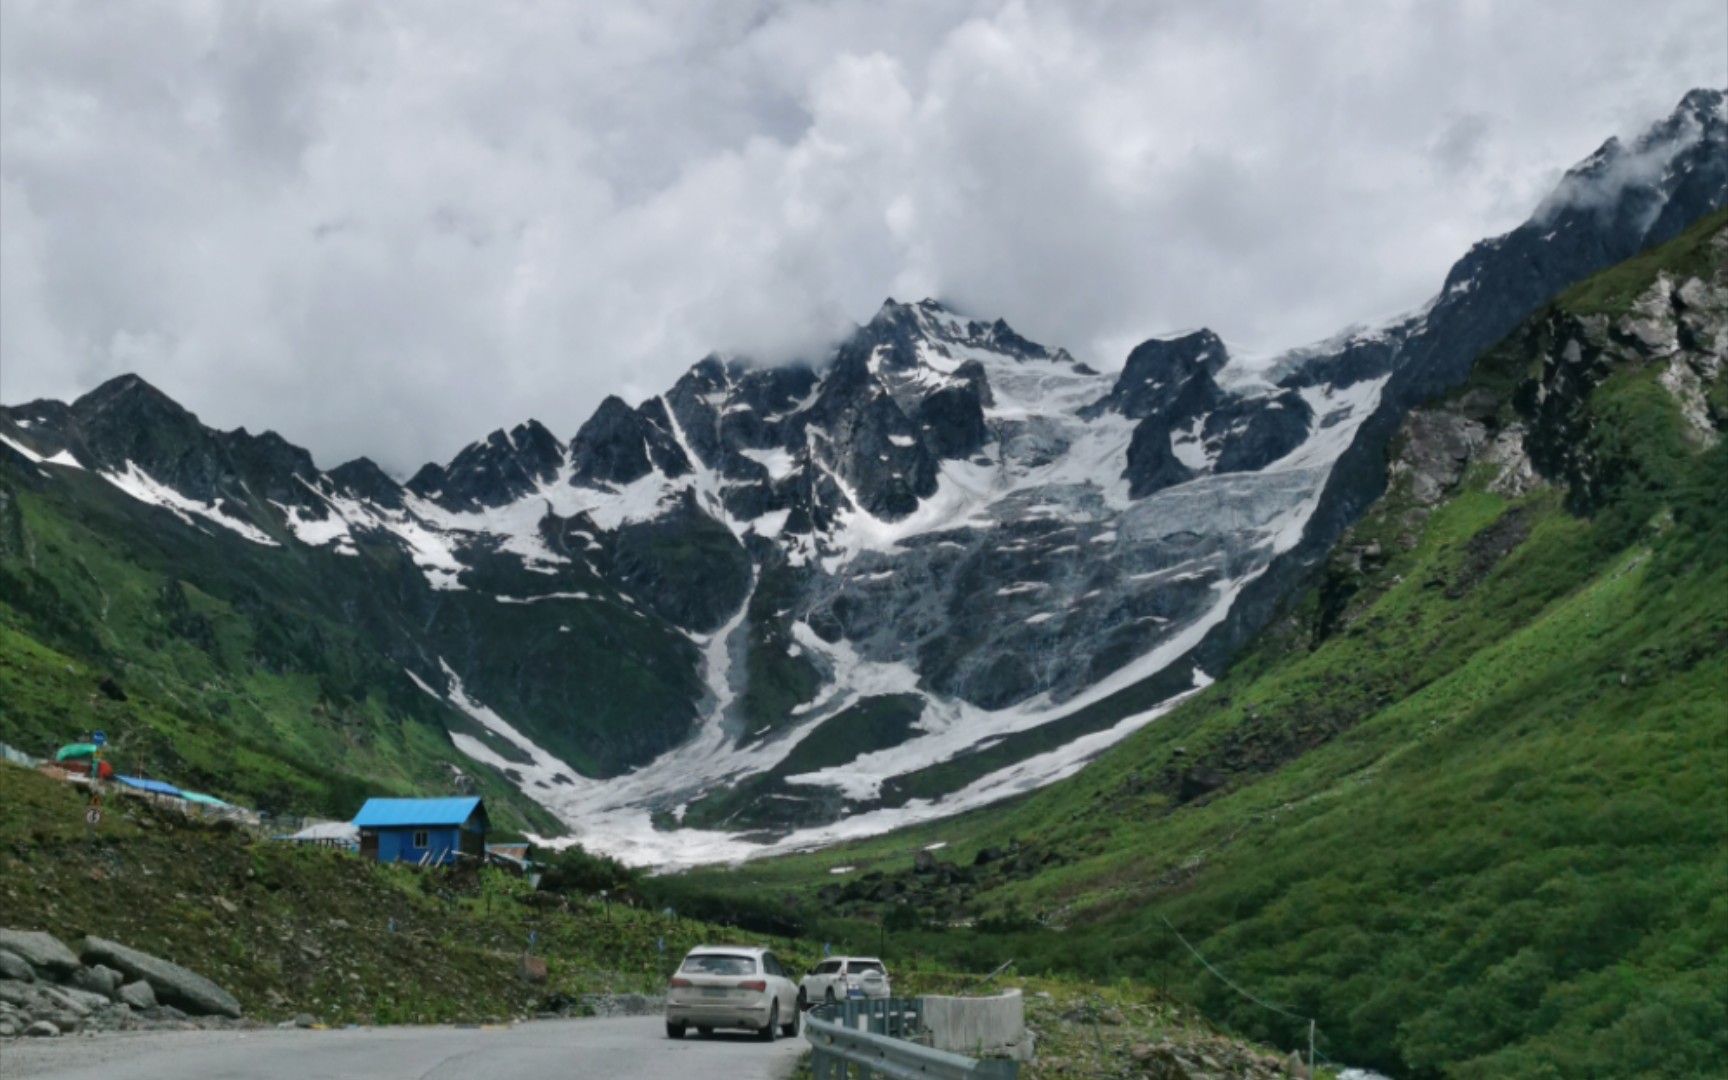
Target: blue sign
[{"x": 99, "y": 737}]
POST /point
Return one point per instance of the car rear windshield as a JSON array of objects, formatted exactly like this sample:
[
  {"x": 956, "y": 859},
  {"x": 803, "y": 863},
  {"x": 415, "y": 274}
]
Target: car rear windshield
[
  {"x": 859, "y": 967},
  {"x": 719, "y": 964}
]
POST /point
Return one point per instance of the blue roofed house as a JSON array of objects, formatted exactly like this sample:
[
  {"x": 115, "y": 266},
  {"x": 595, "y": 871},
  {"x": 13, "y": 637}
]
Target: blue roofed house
[{"x": 426, "y": 832}]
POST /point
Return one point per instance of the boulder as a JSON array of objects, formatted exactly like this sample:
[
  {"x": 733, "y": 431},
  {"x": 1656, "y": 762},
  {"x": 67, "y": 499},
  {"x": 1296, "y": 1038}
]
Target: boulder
[
  {"x": 97, "y": 980},
  {"x": 80, "y": 1003},
  {"x": 305, "y": 1020},
  {"x": 42, "y": 1029},
  {"x": 13, "y": 966},
  {"x": 40, "y": 999},
  {"x": 138, "y": 995},
  {"x": 172, "y": 983},
  {"x": 44, "y": 952},
  {"x": 18, "y": 995}
]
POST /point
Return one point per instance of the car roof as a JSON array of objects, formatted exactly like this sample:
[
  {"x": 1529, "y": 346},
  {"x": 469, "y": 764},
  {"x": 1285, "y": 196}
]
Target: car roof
[
  {"x": 728, "y": 950},
  {"x": 849, "y": 959}
]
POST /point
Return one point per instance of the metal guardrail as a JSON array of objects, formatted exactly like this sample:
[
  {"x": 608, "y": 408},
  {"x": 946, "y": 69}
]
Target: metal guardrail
[{"x": 865, "y": 1038}]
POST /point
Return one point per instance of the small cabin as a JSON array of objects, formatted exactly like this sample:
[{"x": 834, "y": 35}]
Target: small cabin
[{"x": 425, "y": 832}]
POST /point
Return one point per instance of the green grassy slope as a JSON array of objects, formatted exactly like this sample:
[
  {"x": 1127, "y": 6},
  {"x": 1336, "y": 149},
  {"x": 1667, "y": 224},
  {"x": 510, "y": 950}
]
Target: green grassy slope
[
  {"x": 290, "y": 929},
  {"x": 222, "y": 685},
  {"x": 1465, "y": 802}
]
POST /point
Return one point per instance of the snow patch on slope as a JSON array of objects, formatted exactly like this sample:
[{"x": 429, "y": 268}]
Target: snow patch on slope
[
  {"x": 141, "y": 486},
  {"x": 64, "y": 457}
]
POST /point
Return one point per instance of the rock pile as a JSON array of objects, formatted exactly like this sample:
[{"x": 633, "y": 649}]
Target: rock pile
[
  {"x": 1091, "y": 1039},
  {"x": 46, "y": 989}
]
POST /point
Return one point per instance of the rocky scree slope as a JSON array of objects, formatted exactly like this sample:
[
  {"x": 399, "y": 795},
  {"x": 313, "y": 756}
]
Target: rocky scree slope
[
  {"x": 942, "y": 566},
  {"x": 1461, "y": 799}
]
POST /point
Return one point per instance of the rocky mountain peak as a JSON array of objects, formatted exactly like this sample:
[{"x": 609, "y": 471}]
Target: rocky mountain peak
[
  {"x": 1170, "y": 376},
  {"x": 620, "y": 445},
  {"x": 127, "y": 420},
  {"x": 363, "y": 479},
  {"x": 497, "y": 470},
  {"x": 127, "y": 401}
]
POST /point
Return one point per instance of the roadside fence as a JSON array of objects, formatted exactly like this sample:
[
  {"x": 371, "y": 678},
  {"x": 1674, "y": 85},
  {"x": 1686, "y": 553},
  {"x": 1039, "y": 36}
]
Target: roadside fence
[{"x": 862, "y": 1038}]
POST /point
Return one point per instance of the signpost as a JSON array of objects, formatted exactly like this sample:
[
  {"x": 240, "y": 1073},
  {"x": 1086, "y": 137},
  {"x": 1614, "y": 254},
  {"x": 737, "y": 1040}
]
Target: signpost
[{"x": 93, "y": 810}]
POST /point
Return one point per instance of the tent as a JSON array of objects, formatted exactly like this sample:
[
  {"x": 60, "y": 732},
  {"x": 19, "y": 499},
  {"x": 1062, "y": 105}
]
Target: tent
[
  {"x": 155, "y": 787},
  {"x": 105, "y": 772}
]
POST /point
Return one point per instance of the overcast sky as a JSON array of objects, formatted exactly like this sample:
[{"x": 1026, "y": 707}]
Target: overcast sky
[{"x": 388, "y": 228}]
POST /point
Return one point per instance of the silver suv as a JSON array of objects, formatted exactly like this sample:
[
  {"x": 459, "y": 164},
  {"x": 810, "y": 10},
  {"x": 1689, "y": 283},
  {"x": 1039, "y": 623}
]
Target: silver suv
[
  {"x": 731, "y": 986},
  {"x": 842, "y": 977}
]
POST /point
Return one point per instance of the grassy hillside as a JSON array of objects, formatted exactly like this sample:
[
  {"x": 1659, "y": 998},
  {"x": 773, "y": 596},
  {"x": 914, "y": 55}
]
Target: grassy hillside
[
  {"x": 1464, "y": 803},
  {"x": 182, "y": 650},
  {"x": 289, "y": 929}
]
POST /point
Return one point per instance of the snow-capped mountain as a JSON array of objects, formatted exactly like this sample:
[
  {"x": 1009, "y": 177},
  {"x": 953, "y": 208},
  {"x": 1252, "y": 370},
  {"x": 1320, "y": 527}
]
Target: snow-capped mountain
[{"x": 778, "y": 605}]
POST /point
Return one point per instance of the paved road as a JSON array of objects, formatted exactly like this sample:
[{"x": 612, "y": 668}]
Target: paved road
[{"x": 633, "y": 1048}]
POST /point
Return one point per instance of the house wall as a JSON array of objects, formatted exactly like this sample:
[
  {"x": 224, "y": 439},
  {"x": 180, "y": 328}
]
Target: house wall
[{"x": 397, "y": 845}]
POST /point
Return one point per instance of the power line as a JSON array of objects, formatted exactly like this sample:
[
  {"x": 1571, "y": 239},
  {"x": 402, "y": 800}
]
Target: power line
[{"x": 1225, "y": 979}]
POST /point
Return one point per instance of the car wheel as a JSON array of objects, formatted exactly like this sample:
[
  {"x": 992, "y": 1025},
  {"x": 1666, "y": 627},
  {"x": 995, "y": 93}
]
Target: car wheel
[
  {"x": 674, "y": 1031},
  {"x": 803, "y": 1000},
  {"x": 773, "y": 1026},
  {"x": 829, "y": 996},
  {"x": 705, "y": 1032},
  {"x": 790, "y": 1030}
]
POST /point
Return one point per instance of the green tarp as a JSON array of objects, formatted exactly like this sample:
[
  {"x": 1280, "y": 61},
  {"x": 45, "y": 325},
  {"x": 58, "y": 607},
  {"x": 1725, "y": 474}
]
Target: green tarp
[{"x": 76, "y": 750}]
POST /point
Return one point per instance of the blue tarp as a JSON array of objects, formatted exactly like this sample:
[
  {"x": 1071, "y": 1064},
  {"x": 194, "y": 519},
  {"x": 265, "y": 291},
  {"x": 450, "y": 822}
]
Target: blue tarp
[
  {"x": 404, "y": 813},
  {"x": 156, "y": 786}
]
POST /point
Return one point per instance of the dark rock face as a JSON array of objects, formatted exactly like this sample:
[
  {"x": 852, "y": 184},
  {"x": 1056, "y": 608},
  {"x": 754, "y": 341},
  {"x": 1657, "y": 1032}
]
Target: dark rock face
[
  {"x": 1681, "y": 326},
  {"x": 499, "y": 470},
  {"x": 363, "y": 479},
  {"x": 271, "y": 466},
  {"x": 1252, "y": 433},
  {"x": 684, "y": 565},
  {"x": 1152, "y": 462},
  {"x": 871, "y": 443},
  {"x": 952, "y": 420},
  {"x": 127, "y": 419},
  {"x": 620, "y": 445},
  {"x": 1172, "y": 378},
  {"x": 1171, "y": 387}
]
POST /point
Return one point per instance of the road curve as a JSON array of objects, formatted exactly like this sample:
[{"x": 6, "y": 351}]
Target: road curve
[{"x": 626, "y": 1048}]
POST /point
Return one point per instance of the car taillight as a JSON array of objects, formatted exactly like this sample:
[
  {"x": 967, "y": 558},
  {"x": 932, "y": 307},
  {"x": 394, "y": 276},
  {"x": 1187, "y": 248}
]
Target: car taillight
[
  {"x": 680, "y": 984},
  {"x": 753, "y": 984}
]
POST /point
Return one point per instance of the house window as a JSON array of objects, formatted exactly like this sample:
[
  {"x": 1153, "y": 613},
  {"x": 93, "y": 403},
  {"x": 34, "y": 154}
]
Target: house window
[{"x": 420, "y": 839}]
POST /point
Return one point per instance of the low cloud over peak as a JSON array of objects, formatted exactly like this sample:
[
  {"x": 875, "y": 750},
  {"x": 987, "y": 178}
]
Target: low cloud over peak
[{"x": 387, "y": 229}]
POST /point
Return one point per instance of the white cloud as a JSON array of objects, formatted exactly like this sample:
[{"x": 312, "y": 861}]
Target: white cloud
[{"x": 389, "y": 228}]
